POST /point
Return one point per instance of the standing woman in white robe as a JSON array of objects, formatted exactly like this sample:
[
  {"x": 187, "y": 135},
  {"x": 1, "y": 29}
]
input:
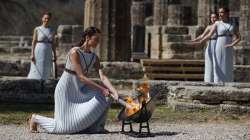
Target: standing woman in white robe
[
  {"x": 209, "y": 51},
  {"x": 228, "y": 36},
  {"x": 43, "y": 51}
]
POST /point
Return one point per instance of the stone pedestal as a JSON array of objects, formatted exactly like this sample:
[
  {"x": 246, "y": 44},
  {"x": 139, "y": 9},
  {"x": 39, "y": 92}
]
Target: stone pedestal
[{"x": 153, "y": 41}]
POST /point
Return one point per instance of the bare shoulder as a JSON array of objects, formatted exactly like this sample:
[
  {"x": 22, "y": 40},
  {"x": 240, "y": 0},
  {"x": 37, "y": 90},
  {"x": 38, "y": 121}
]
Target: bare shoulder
[
  {"x": 74, "y": 50},
  {"x": 216, "y": 23},
  {"x": 73, "y": 53},
  {"x": 36, "y": 28}
]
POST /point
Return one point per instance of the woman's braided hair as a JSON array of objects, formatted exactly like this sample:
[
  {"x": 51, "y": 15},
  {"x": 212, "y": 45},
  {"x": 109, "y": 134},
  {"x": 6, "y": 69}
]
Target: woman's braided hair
[{"x": 90, "y": 31}]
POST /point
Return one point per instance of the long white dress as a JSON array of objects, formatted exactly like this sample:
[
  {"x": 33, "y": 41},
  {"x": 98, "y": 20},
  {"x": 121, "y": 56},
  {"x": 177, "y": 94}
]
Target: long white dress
[
  {"x": 209, "y": 58},
  {"x": 224, "y": 56},
  {"x": 43, "y": 54},
  {"x": 78, "y": 107}
]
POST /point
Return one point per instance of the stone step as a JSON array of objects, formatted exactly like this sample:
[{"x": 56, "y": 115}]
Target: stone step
[
  {"x": 115, "y": 70},
  {"x": 177, "y": 94},
  {"x": 4, "y": 49},
  {"x": 15, "y": 50},
  {"x": 9, "y": 42},
  {"x": 182, "y": 55},
  {"x": 172, "y": 62},
  {"x": 23, "y": 90},
  {"x": 215, "y": 95},
  {"x": 15, "y": 38},
  {"x": 181, "y": 77},
  {"x": 173, "y": 69},
  {"x": 181, "y": 50},
  {"x": 178, "y": 46},
  {"x": 14, "y": 41},
  {"x": 20, "y": 50},
  {"x": 9, "y": 38},
  {"x": 4, "y": 45},
  {"x": 181, "y": 69},
  {"x": 175, "y": 30},
  {"x": 175, "y": 38}
]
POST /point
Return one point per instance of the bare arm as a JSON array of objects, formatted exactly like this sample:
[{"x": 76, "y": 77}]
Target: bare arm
[
  {"x": 211, "y": 32},
  {"x": 34, "y": 41},
  {"x": 79, "y": 71},
  {"x": 202, "y": 35},
  {"x": 105, "y": 79}
]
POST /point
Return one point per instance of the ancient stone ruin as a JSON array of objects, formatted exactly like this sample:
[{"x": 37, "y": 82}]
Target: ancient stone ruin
[{"x": 141, "y": 38}]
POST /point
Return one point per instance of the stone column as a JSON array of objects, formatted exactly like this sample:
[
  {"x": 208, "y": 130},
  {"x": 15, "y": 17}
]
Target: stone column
[
  {"x": 174, "y": 13},
  {"x": 138, "y": 13},
  {"x": 97, "y": 14},
  {"x": 243, "y": 50},
  {"x": 160, "y": 14},
  {"x": 154, "y": 41},
  {"x": 244, "y": 22},
  {"x": 113, "y": 18},
  {"x": 123, "y": 30},
  {"x": 204, "y": 7}
]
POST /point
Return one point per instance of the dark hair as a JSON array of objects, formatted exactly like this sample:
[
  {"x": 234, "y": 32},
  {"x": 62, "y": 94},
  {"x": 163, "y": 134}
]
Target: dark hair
[
  {"x": 90, "y": 31},
  {"x": 210, "y": 17},
  {"x": 226, "y": 9},
  {"x": 47, "y": 13},
  {"x": 213, "y": 14}
]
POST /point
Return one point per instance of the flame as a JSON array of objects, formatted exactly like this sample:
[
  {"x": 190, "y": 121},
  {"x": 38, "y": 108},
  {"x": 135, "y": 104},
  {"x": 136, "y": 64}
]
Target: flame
[
  {"x": 137, "y": 103},
  {"x": 144, "y": 88}
]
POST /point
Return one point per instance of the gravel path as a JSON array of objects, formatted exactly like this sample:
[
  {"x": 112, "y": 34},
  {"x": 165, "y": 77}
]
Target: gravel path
[{"x": 161, "y": 130}]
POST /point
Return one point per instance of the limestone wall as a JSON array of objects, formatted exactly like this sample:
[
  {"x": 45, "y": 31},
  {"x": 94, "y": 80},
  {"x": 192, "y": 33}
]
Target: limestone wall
[
  {"x": 229, "y": 97},
  {"x": 115, "y": 70},
  {"x": 20, "y": 90},
  {"x": 167, "y": 42}
]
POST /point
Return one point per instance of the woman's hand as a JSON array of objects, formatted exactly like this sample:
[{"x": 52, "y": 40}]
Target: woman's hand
[
  {"x": 105, "y": 92},
  {"x": 32, "y": 57}
]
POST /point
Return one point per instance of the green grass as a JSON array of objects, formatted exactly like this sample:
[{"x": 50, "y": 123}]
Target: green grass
[{"x": 18, "y": 113}]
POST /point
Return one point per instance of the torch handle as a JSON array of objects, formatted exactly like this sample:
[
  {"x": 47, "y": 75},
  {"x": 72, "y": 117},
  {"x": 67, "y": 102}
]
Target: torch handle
[{"x": 122, "y": 102}]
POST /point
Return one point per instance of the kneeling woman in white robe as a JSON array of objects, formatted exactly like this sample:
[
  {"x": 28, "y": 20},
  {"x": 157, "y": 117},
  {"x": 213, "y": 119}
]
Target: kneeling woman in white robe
[{"x": 80, "y": 103}]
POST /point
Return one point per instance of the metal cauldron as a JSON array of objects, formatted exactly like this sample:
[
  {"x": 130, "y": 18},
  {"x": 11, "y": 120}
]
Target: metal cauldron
[{"x": 141, "y": 116}]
